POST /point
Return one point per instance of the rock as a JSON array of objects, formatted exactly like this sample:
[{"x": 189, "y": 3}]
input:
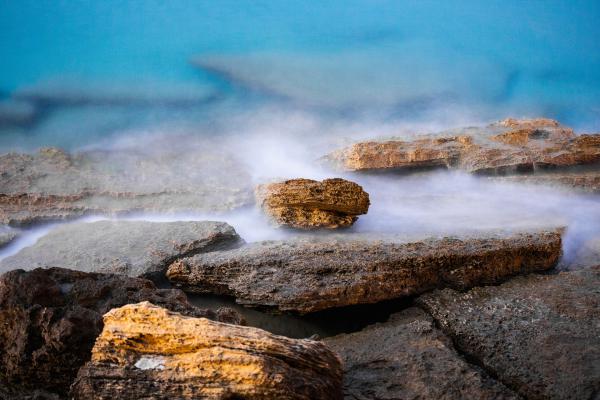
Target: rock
[
  {"x": 585, "y": 181},
  {"x": 16, "y": 113},
  {"x": 507, "y": 147},
  {"x": 133, "y": 248},
  {"x": 538, "y": 334},
  {"x": 307, "y": 204},
  {"x": 315, "y": 273},
  {"x": 55, "y": 185},
  {"x": 407, "y": 357},
  {"x": 6, "y": 236},
  {"x": 50, "y": 318},
  {"x": 144, "y": 350}
]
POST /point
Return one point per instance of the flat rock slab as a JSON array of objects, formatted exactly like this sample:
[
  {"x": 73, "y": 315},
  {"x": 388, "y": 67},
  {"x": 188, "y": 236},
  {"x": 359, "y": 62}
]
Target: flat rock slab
[
  {"x": 540, "y": 335},
  {"x": 145, "y": 350},
  {"x": 133, "y": 248},
  {"x": 50, "y": 318},
  {"x": 407, "y": 357},
  {"x": 316, "y": 273}
]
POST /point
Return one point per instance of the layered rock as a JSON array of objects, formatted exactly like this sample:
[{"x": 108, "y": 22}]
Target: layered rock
[
  {"x": 507, "y": 147},
  {"x": 50, "y": 318},
  {"x": 315, "y": 273},
  {"x": 145, "y": 349},
  {"x": 538, "y": 334},
  {"x": 55, "y": 185},
  {"x": 134, "y": 248},
  {"x": 407, "y": 357},
  {"x": 306, "y": 204}
]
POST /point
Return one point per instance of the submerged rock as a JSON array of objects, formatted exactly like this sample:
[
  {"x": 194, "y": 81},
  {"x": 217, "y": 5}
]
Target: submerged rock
[
  {"x": 50, "y": 318},
  {"x": 307, "y": 204},
  {"x": 133, "y": 248},
  {"x": 538, "y": 334},
  {"x": 16, "y": 113},
  {"x": 144, "y": 350},
  {"x": 316, "y": 273},
  {"x": 407, "y": 357},
  {"x": 55, "y": 185},
  {"x": 584, "y": 181},
  {"x": 507, "y": 147},
  {"x": 6, "y": 236}
]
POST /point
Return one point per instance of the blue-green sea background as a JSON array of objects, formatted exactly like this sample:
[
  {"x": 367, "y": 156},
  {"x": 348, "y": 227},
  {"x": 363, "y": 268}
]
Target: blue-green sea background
[{"x": 391, "y": 60}]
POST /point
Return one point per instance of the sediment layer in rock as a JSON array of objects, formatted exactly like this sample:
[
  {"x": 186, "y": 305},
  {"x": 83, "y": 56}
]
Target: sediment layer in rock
[
  {"x": 316, "y": 273},
  {"x": 407, "y": 357},
  {"x": 55, "y": 185},
  {"x": 306, "y": 204},
  {"x": 50, "y": 318},
  {"x": 507, "y": 147},
  {"x": 538, "y": 334},
  {"x": 144, "y": 350},
  {"x": 134, "y": 248}
]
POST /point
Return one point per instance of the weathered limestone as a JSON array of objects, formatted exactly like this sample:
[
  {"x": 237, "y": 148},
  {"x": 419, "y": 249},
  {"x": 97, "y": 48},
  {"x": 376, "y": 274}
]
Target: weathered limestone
[
  {"x": 315, "y": 273},
  {"x": 306, "y": 204},
  {"x": 507, "y": 147},
  {"x": 540, "y": 335},
  {"x": 407, "y": 357},
  {"x": 50, "y": 318},
  {"x": 55, "y": 185},
  {"x": 145, "y": 349},
  {"x": 133, "y": 248}
]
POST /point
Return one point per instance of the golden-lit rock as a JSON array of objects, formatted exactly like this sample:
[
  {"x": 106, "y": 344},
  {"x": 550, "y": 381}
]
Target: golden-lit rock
[
  {"x": 147, "y": 352},
  {"x": 308, "y": 204}
]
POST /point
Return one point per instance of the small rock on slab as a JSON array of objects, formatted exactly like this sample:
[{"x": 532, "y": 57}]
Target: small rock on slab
[
  {"x": 50, "y": 318},
  {"x": 315, "y": 273},
  {"x": 407, "y": 357},
  {"x": 144, "y": 350},
  {"x": 133, "y": 248},
  {"x": 540, "y": 335}
]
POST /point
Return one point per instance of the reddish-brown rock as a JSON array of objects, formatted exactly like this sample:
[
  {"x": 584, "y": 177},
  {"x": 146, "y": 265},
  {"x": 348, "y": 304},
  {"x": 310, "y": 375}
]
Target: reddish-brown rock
[{"x": 307, "y": 204}]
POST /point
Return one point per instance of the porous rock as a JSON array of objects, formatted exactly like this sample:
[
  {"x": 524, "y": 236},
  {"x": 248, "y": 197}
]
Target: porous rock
[
  {"x": 309, "y": 274},
  {"x": 305, "y": 203},
  {"x": 538, "y": 334},
  {"x": 145, "y": 350},
  {"x": 407, "y": 357},
  {"x": 50, "y": 318},
  {"x": 133, "y": 248}
]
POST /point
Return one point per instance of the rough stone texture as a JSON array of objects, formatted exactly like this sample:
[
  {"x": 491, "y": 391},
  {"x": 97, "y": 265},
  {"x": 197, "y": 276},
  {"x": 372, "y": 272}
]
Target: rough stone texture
[
  {"x": 133, "y": 248},
  {"x": 584, "y": 181},
  {"x": 316, "y": 273},
  {"x": 50, "y": 318},
  {"x": 55, "y": 185},
  {"x": 538, "y": 334},
  {"x": 306, "y": 204},
  {"x": 144, "y": 350},
  {"x": 507, "y": 147},
  {"x": 407, "y": 357}
]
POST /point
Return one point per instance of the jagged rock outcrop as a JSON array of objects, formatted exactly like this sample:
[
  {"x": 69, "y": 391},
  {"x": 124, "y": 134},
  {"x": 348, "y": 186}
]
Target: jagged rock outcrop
[
  {"x": 407, "y": 357},
  {"x": 133, "y": 248},
  {"x": 538, "y": 334},
  {"x": 55, "y": 185},
  {"x": 315, "y": 273},
  {"x": 507, "y": 147},
  {"x": 307, "y": 204},
  {"x": 50, "y": 318},
  {"x": 144, "y": 350}
]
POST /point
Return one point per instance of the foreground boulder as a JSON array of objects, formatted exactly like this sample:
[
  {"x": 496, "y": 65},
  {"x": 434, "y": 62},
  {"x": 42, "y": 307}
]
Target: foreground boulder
[
  {"x": 172, "y": 177},
  {"x": 315, "y": 273},
  {"x": 306, "y": 204},
  {"x": 133, "y": 248},
  {"x": 538, "y": 334},
  {"x": 144, "y": 350},
  {"x": 50, "y": 318},
  {"x": 407, "y": 357},
  {"x": 507, "y": 147}
]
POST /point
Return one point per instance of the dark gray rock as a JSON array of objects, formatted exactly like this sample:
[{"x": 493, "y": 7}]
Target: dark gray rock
[
  {"x": 407, "y": 357},
  {"x": 540, "y": 335},
  {"x": 314, "y": 273},
  {"x": 133, "y": 248}
]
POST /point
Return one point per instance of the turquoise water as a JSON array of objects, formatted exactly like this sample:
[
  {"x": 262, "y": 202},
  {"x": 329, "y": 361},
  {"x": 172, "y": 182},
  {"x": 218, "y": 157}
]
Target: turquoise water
[{"x": 393, "y": 61}]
